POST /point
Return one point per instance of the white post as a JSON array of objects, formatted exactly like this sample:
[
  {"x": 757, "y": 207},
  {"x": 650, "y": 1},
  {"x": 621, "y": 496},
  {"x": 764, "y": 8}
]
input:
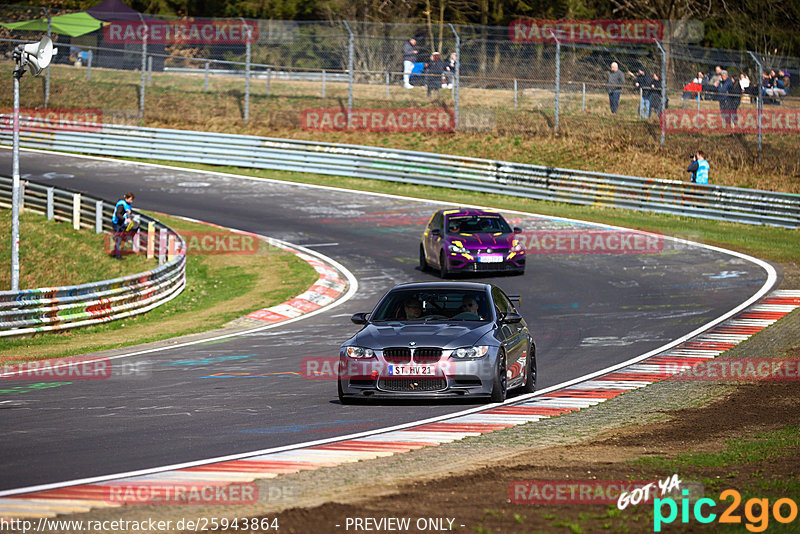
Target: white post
[
  {"x": 50, "y": 203},
  {"x": 98, "y": 217},
  {"x": 162, "y": 246},
  {"x": 76, "y": 211},
  {"x": 151, "y": 239}
]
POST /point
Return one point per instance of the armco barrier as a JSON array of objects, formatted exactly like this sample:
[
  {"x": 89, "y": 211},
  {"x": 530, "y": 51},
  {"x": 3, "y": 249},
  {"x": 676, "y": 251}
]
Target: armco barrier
[
  {"x": 503, "y": 177},
  {"x": 59, "y": 308}
]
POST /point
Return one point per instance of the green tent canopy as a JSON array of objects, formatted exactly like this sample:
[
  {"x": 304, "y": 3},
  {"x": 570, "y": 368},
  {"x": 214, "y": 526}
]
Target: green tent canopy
[{"x": 72, "y": 24}]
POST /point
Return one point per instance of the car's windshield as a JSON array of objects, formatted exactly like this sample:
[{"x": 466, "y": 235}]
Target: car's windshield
[
  {"x": 432, "y": 306},
  {"x": 477, "y": 224}
]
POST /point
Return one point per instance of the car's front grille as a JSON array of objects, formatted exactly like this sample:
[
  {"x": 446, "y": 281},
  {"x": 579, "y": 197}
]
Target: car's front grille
[
  {"x": 412, "y": 384},
  {"x": 502, "y": 251},
  {"x": 427, "y": 354},
  {"x": 397, "y": 354}
]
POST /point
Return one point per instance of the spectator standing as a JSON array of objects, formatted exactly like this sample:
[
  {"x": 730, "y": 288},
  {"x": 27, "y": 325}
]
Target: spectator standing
[
  {"x": 409, "y": 57},
  {"x": 701, "y": 177},
  {"x": 614, "y": 86},
  {"x": 121, "y": 222},
  {"x": 450, "y": 70},
  {"x": 654, "y": 95},
  {"x": 717, "y": 77},
  {"x": 433, "y": 74},
  {"x": 640, "y": 84},
  {"x": 724, "y": 91},
  {"x": 744, "y": 85}
]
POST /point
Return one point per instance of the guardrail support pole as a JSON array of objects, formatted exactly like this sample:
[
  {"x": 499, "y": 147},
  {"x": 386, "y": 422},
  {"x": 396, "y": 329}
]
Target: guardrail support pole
[
  {"x": 50, "y": 194},
  {"x": 151, "y": 240},
  {"x": 76, "y": 211},
  {"x": 98, "y": 217},
  {"x": 162, "y": 246}
]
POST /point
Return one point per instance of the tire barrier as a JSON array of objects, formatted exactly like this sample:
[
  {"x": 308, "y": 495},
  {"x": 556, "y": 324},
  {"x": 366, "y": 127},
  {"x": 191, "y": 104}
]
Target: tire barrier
[{"x": 59, "y": 308}]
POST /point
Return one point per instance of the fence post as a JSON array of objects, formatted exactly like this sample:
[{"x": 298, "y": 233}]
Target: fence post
[
  {"x": 47, "y": 73},
  {"x": 151, "y": 239},
  {"x": 269, "y": 79},
  {"x": 89, "y": 66},
  {"x": 515, "y": 92},
  {"x": 50, "y": 203},
  {"x": 205, "y": 83},
  {"x": 662, "y": 117},
  {"x": 350, "y": 60},
  {"x": 144, "y": 67},
  {"x": 149, "y": 70},
  {"x": 98, "y": 217},
  {"x": 558, "y": 82},
  {"x": 323, "y": 83},
  {"x": 759, "y": 102},
  {"x": 583, "y": 97},
  {"x": 457, "y": 80},
  {"x": 387, "y": 84},
  {"x": 76, "y": 211},
  {"x": 246, "y": 73}
]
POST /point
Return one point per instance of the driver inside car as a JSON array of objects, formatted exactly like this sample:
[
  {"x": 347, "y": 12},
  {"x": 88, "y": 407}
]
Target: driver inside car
[{"x": 412, "y": 308}]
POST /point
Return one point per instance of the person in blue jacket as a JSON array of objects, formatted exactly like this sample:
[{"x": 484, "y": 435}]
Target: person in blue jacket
[
  {"x": 122, "y": 221},
  {"x": 699, "y": 168}
]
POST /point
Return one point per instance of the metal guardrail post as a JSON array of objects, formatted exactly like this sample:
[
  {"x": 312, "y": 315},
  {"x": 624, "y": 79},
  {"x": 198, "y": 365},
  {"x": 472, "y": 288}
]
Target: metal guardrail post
[
  {"x": 50, "y": 191},
  {"x": 76, "y": 211},
  {"x": 759, "y": 102},
  {"x": 247, "y": 72},
  {"x": 98, "y": 217},
  {"x": 144, "y": 67},
  {"x": 350, "y": 75},
  {"x": 457, "y": 80}
]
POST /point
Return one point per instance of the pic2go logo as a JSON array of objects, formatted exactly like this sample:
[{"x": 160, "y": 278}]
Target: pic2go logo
[{"x": 756, "y": 511}]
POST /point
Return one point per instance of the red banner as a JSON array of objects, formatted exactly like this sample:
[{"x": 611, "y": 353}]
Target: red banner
[
  {"x": 180, "y": 32},
  {"x": 378, "y": 120},
  {"x": 585, "y": 31}
]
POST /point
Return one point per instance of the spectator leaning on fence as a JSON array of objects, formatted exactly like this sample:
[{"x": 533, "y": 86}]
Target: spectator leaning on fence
[
  {"x": 654, "y": 95},
  {"x": 640, "y": 85},
  {"x": 724, "y": 91},
  {"x": 450, "y": 70},
  {"x": 614, "y": 86},
  {"x": 409, "y": 58},
  {"x": 121, "y": 222}
]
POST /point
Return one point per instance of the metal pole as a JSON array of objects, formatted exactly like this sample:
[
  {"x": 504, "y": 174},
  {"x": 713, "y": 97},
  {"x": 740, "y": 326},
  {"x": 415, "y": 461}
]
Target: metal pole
[
  {"x": 558, "y": 83},
  {"x": 760, "y": 101},
  {"x": 662, "y": 117},
  {"x": 89, "y": 66},
  {"x": 47, "y": 73},
  {"x": 323, "y": 83},
  {"x": 269, "y": 79},
  {"x": 50, "y": 207},
  {"x": 149, "y": 70},
  {"x": 144, "y": 67},
  {"x": 387, "y": 84},
  {"x": 583, "y": 97},
  {"x": 18, "y": 72},
  {"x": 515, "y": 92},
  {"x": 350, "y": 59},
  {"x": 205, "y": 83},
  {"x": 457, "y": 80},
  {"x": 247, "y": 74}
]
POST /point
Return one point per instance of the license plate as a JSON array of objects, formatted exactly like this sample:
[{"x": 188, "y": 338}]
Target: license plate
[
  {"x": 496, "y": 258},
  {"x": 411, "y": 370}
]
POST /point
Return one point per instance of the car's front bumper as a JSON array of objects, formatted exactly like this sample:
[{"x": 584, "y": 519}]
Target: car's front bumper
[{"x": 471, "y": 263}]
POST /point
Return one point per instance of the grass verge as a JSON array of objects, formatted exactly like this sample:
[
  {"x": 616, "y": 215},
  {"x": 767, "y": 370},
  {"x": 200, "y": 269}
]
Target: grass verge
[{"x": 219, "y": 288}]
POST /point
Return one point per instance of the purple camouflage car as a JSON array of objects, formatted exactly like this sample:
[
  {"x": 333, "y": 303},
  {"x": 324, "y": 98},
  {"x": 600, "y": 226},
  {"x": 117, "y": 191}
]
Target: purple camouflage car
[{"x": 471, "y": 240}]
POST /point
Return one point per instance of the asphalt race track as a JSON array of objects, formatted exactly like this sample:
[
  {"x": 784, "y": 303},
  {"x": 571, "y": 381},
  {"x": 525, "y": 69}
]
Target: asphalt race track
[{"x": 587, "y": 312}]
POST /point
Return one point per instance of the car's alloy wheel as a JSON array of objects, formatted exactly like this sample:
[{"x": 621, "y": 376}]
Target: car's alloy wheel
[
  {"x": 530, "y": 372},
  {"x": 500, "y": 383},
  {"x": 442, "y": 265},
  {"x": 423, "y": 263}
]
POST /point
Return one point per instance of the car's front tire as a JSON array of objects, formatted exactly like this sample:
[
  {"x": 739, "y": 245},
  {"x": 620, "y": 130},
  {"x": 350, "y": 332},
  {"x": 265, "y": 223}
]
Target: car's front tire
[
  {"x": 530, "y": 371},
  {"x": 443, "y": 272},
  {"x": 500, "y": 383},
  {"x": 423, "y": 263}
]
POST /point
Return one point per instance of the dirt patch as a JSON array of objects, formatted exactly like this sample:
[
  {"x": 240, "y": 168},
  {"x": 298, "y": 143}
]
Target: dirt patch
[{"x": 479, "y": 500}]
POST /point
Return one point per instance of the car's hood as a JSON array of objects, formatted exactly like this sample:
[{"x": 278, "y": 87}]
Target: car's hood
[
  {"x": 445, "y": 335},
  {"x": 482, "y": 241}
]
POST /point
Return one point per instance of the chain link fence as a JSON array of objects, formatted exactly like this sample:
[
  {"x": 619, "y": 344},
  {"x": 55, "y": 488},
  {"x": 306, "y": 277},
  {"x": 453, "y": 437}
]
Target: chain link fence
[{"x": 170, "y": 71}]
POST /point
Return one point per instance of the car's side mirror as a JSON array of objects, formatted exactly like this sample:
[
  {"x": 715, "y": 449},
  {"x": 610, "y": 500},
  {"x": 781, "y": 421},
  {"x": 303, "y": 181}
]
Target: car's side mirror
[
  {"x": 517, "y": 230},
  {"x": 511, "y": 318},
  {"x": 436, "y": 232},
  {"x": 359, "y": 318}
]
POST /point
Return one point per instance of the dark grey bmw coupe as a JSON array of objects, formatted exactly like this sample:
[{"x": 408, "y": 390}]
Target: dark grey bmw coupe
[{"x": 440, "y": 340}]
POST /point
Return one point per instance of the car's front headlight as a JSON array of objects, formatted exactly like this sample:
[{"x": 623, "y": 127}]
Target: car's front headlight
[
  {"x": 456, "y": 248},
  {"x": 470, "y": 353},
  {"x": 359, "y": 352}
]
